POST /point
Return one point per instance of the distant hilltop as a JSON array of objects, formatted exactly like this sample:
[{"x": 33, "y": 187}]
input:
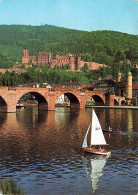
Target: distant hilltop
[
  {"x": 102, "y": 47},
  {"x": 74, "y": 61}
]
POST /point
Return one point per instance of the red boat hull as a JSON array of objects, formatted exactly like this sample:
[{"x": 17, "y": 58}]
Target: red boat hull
[{"x": 97, "y": 151}]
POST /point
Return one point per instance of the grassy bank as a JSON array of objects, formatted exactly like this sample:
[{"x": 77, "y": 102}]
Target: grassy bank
[{"x": 9, "y": 187}]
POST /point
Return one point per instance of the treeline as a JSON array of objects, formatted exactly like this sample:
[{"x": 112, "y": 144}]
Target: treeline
[
  {"x": 59, "y": 75},
  {"x": 107, "y": 47},
  {"x": 5, "y": 61}
]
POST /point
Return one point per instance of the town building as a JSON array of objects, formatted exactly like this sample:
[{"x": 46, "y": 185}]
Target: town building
[
  {"x": 107, "y": 85},
  {"x": 135, "y": 93}
]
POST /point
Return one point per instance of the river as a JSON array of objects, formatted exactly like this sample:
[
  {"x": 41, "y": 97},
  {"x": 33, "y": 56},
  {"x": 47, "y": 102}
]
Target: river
[{"x": 42, "y": 152}]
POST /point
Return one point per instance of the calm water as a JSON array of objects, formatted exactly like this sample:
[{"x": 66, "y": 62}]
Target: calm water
[{"x": 42, "y": 152}]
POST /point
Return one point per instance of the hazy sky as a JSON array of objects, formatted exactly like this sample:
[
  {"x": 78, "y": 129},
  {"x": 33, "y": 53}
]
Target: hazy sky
[{"x": 89, "y": 15}]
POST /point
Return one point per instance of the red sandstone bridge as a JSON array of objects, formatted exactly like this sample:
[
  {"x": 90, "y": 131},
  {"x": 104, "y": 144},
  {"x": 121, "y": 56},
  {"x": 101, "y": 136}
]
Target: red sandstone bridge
[{"x": 9, "y": 97}]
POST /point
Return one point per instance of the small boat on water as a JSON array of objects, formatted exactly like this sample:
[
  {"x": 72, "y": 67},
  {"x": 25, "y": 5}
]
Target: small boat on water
[
  {"x": 111, "y": 130},
  {"x": 96, "y": 138}
]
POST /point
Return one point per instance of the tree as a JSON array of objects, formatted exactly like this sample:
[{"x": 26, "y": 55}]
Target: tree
[{"x": 85, "y": 68}]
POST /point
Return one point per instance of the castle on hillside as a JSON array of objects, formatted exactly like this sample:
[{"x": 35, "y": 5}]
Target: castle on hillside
[{"x": 46, "y": 58}]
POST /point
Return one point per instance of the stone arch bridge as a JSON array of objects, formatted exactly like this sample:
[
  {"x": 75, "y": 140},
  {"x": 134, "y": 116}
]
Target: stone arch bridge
[{"x": 46, "y": 97}]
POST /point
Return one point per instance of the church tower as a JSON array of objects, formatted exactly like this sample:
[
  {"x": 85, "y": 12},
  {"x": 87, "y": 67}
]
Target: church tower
[
  {"x": 25, "y": 56},
  {"x": 129, "y": 87},
  {"x": 118, "y": 82}
]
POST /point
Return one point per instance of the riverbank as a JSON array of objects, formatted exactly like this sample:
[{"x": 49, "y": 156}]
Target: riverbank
[
  {"x": 114, "y": 107},
  {"x": 87, "y": 106}
]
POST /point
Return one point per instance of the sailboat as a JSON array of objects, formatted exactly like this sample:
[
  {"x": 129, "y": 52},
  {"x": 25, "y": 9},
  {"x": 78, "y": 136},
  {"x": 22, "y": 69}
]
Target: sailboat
[{"x": 96, "y": 137}]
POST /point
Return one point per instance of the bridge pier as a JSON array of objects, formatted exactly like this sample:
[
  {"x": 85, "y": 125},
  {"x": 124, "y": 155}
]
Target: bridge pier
[
  {"x": 82, "y": 104},
  {"x": 51, "y": 106},
  {"x": 111, "y": 100},
  {"x": 119, "y": 102},
  {"x": 11, "y": 108}
]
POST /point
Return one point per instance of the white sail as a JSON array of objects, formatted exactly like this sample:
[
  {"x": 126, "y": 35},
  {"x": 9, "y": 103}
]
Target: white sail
[
  {"x": 97, "y": 167},
  {"x": 97, "y": 137},
  {"x": 84, "y": 145}
]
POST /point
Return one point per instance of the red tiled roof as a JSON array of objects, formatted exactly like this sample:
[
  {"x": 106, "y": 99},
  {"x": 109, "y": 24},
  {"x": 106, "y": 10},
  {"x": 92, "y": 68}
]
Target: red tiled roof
[
  {"x": 34, "y": 84},
  {"x": 87, "y": 86},
  {"x": 135, "y": 86}
]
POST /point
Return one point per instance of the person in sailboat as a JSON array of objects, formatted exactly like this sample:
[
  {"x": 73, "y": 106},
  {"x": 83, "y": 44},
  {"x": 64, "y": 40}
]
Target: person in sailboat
[
  {"x": 117, "y": 129},
  {"x": 110, "y": 129},
  {"x": 102, "y": 149}
]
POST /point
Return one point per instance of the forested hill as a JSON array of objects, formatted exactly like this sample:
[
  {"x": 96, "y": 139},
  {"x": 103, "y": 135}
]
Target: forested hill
[{"x": 108, "y": 47}]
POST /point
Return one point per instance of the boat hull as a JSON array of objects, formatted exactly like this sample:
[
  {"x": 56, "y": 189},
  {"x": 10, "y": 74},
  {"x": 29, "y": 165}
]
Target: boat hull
[
  {"x": 110, "y": 131},
  {"x": 97, "y": 151}
]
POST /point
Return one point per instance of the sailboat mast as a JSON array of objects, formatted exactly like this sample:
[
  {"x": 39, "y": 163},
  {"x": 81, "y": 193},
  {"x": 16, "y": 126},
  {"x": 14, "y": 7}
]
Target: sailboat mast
[{"x": 91, "y": 129}]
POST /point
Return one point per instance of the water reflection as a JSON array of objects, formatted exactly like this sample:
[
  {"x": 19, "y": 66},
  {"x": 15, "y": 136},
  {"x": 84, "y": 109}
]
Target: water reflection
[
  {"x": 97, "y": 164},
  {"x": 130, "y": 121},
  {"x": 31, "y": 116},
  {"x": 3, "y": 117},
  {"x": 42, "y": 151}
]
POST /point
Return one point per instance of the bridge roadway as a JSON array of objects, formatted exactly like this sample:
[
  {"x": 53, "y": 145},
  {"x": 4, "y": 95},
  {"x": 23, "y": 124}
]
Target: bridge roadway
[{"x": 46, "y": 97}]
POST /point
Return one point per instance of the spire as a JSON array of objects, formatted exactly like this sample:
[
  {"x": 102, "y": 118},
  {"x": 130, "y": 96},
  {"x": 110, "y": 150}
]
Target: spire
[
  {"x": 129, "y": 73},
  {"x": 119, "y": 76},
  {"x": 119, "y": 73}
]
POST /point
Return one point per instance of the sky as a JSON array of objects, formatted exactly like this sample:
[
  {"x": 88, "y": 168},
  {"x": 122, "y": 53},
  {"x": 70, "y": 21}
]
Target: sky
[{"x": 88, "y": 15}]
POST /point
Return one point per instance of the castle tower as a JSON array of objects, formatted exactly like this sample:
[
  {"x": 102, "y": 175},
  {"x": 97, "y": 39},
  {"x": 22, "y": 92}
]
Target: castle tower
[
  {"x": 119, "y": 77},
  {"x": 49, "y": 59},
  {"x": 78, "y": 62},
  {"x": 72, "y": 62},
  {"x": 25, "y": 56},
  {"x": 129, "y": 87}
]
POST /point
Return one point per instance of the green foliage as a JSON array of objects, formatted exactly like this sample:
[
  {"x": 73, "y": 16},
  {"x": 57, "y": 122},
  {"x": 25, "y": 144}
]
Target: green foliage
[
  {"x": 105, "y": 47},
  {"x": 85, "y": 68},
  {"x": 10, "y": 187},
  {"x": 135, "y": 74},
  {"x": 59, "y": 76},
  {"x": 22, "y": 67},
  {"x": 5, "y": 61},
  {"x": 118, "y": 50}
]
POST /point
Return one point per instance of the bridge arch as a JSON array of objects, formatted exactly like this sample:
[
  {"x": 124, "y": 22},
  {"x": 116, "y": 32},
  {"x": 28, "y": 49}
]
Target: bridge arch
[
  {"x": 119, "y": 101},
  {"x": 98, "y": 100},
  {"x": 74, "y": 101},
  {"x": 3, "y": 105},
  {"x": 123, "y": 102},
  {"x": 116, "y": 103},
  {"x": 42, "y": 102}
]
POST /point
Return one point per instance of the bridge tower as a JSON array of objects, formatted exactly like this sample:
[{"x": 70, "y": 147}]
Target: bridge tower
[
  {"x": 119, "y": 77},
  {"x": 129, "y": 87},
  {"x": 25, "y": 56}
]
